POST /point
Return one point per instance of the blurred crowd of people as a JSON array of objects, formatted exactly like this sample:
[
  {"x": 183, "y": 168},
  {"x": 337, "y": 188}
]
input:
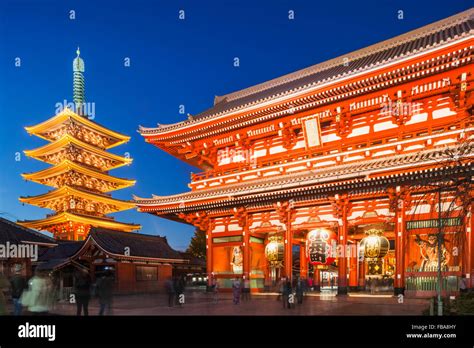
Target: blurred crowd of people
[
  {"x": 375, "y": 285},
  {"x": 35, "y": 294},
  {"x": 175, "y": 287},
  {"x": 40, "y": 293},
  {"x": 84, "y": 289},
  {"x": 289, "y": 292},
  {"x": 292, "y": 292}
]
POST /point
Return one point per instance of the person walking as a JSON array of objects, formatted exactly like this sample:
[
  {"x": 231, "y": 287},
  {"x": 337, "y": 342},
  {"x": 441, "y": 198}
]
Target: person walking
[
  {"x": 310, "y": 284},
  {"x": 236, "y": 289},
  {"x": 39, "y": 296},
  {"x": 372, "y": 286},
  {"x": 180, "y": 290},
  {"x": 246, "y": 290},
  {"x": 289, "y": 294},
  {"x": 180, "y": 286},
  {"x": 82, "y": 290},
  {"x": 463, "y": 284},
  {"x": 300, "y": 290},
  {"x": 104, "y": 290},
  {"x": 4, "y": 285},
  {"x": 169, "y": 287},
  {"x": 281, "y": 290},
  {"x": 285, "y": 293},
  {"x": 18, "y": 284},
  {"x": 215, "y": 290}
]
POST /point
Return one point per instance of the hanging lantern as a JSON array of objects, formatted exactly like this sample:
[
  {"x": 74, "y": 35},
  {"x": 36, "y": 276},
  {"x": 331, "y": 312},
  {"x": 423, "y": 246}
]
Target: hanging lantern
[
  {"x": 274, "y": 250},
  {"x": 319, "y": 246},
  {"x": 375, "y": 245}
]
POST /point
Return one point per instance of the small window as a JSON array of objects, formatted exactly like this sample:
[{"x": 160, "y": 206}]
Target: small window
[
  {"x": 256, "y": 240},
  {"x": 227, "y": 239}
]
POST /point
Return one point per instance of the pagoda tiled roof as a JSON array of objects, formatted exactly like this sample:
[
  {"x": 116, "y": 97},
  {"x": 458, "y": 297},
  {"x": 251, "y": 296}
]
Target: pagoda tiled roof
[
  {"x": 67, "y": 216},
  {"x": 67, "y": 166},
  {"x": 65, "y": 191},
  {"x": 378, "y": 55},
  {"x": 68, "y": 140},
  {"x": 66, "y": 115}
]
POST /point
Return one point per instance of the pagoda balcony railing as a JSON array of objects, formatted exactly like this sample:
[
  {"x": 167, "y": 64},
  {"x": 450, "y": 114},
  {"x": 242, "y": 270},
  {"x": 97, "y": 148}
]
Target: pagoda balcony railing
[
  {"x": 92, "y": 167},
  {"x": 89, "y": 166},
  {"x": 302, "y": 154},
  {"x": 96, "y": 215},
  {"x": 87, "y": 189},
  {"x": 83, "y": 213}
]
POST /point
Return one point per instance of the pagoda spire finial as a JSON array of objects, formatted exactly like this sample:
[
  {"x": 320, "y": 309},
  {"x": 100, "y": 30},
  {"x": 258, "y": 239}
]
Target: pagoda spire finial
[{"x": 78, "y": 69}]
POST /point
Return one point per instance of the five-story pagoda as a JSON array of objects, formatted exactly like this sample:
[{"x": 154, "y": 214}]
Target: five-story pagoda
[{"x": 77, "y": 149}]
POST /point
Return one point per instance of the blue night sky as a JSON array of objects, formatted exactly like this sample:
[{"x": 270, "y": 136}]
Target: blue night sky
[{"x": 173, "y": 62}]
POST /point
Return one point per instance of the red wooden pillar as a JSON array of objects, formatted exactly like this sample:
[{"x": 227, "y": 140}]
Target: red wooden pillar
[
  {"x": 399, "y": 287},
  {"x": 246, "y": 245},
  {"x": 317, "y": 279},
  {"x": 266, "y": 269},
  {"x": 468, "y": 268},
  {"x": 303, "y": 262},
  {"x": 209, "y": 256},
  {"x": 342, "y": 261},
  {"x": 362, "y": 275},
  {"x": 285, "y": 216},
  {"x": 288, "y": 250}
]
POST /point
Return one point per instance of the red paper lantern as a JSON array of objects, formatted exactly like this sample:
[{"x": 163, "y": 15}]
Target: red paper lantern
[{"x": 319, "y": 246}]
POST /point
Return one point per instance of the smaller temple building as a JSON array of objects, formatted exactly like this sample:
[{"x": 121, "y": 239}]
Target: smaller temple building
[
  {"x": 140, "y": 263},
  {"x": 20, "y": 248}
]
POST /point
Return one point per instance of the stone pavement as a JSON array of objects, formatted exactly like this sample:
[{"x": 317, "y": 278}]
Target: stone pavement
[{"x": 201, "y": 303}]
